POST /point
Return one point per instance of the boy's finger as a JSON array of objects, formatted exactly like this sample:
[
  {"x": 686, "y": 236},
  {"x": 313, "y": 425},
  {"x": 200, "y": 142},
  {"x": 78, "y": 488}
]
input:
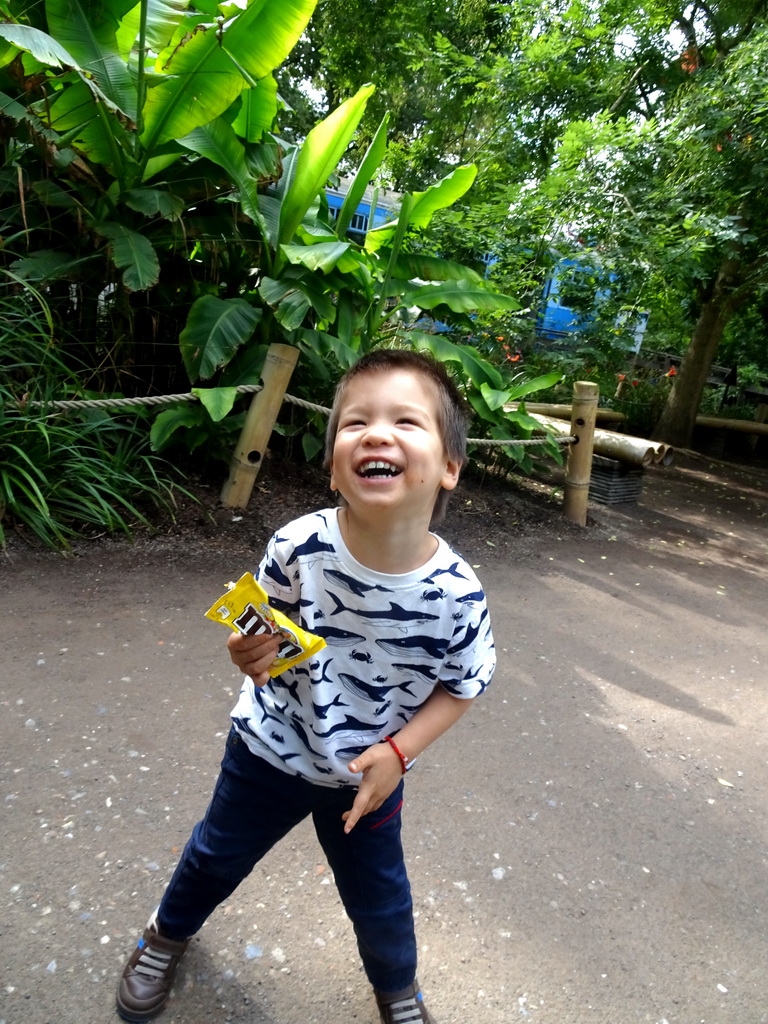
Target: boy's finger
[
  {"x": 352, "y": 816},
  {"x": 361, "y": 762},
  {"x": 246, "y": 642}
]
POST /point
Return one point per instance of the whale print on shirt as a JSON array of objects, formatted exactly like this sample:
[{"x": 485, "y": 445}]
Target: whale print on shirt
[
  {"x": 312, "y": 546},
  {"x": 391, "y": 639},
  {"x": 396, "y": 615},
  {"x": 354, "y": 586}
]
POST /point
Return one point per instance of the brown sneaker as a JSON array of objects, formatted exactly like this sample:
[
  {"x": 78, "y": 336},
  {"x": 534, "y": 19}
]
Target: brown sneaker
[
  {"x": 148, "y": 976},
  {"x": 403, "y": 1007}
]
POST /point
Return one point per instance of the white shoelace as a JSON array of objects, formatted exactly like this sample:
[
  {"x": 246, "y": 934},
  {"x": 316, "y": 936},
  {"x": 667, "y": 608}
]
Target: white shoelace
[
  {"x": 153, "y": 963},
  {"x": 406, "y": 1011}
]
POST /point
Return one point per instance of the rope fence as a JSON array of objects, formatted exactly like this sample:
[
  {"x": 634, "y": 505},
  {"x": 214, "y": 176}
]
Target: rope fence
[
  {"x": 269, "y": 395},
  {"x": 71, "y": 405}
]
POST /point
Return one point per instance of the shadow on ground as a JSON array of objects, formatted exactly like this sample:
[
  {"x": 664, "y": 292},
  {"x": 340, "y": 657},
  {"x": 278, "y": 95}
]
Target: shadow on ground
[{"x": 588, "y": 846}]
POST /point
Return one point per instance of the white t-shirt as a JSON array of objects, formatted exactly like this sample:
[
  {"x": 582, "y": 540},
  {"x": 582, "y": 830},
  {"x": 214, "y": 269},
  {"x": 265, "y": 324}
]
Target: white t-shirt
[{"x": 390, "y": 640}]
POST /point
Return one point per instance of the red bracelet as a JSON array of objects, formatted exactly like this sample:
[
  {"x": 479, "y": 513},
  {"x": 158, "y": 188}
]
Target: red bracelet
[{"x": 403, "y": 759}]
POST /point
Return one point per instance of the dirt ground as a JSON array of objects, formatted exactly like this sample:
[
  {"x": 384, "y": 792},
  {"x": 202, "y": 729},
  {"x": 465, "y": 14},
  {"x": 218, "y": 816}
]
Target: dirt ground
[{"x": 588, "y": 846}]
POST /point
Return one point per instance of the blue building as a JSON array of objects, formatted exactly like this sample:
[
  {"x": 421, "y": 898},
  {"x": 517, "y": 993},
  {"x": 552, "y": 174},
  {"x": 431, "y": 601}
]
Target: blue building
[
  {"x": 366, "y": 216},
  {"x": 558, "y": 321}
]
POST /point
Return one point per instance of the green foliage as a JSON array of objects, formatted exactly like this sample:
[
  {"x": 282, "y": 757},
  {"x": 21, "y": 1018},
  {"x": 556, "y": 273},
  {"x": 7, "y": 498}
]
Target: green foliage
[
  {"x": 130, "y": 133},
  {"x": 77, "y": 477},
  {"x": 640, "y": 397},
  {"x": 64, "y": 476}
]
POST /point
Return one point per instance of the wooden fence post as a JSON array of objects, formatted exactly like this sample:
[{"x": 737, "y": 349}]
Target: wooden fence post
[
  {"x": 254, "y": 437},
  {"x": 578, "y": 465}
]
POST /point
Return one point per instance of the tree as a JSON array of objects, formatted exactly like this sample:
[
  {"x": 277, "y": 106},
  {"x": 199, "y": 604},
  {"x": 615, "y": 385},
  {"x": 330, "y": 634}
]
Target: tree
[
  {"x": 724, "y": 165},
  {"x": 156, "y": 124},
  {"x": 128, "y": 132},
  {"x": 660, "y": 186}
]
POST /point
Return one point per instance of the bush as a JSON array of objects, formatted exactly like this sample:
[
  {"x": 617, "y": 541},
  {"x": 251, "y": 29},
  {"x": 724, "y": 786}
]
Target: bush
[{"x": 65, "y": 475}]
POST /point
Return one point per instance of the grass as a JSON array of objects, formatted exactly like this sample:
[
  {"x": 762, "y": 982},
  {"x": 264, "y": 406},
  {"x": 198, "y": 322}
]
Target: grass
[{"x": 64, "y": 476}]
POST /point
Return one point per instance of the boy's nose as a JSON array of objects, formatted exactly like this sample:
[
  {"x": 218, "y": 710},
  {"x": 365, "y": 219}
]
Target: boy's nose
[{"x": 377, "y": 433}]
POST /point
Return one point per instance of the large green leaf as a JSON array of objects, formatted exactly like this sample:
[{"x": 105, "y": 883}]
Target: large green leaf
[
  {"x": 154, "y": 202},
  {"x": 542, "y": 383},
  {"x": 430, "y": 268},
  {"x": 169, "y": 421},
  {"x": 200, "y": 83},
  {"x": 494, "y": 398},
  {"x": 326, "y": 344},
  {"x": 88, "y": 32},
  {"x": 50, "y": 193},
  {"x": 522, "y": 420},
  {"x": 163, "y": 18},
  {"x": 218, "y": 142},
  {"x": 426, "y": 204},
  {"x": 47, "y": 265},
  {"x": 365, "y": 173},
  {"x": 258, "y": 107},
  {"x": 293, "y": 295},
  {"x": 323, "y": 257},
  {"x": 459, "y": 296},
  {"x": 217, "y": 401},
  {"x": 477, "y": 369},
  {"x": 319, "y": 156},
  {"x": 8, "y": 52},
  {"x": 42, "y": 46},
  {"x": 133, "y": 254},
  {"x": 260, "y": 38},
  {"x": 208, "y": 69},
  {"x": 215, "y": 330},
  {"x": 73, "y": 113}
]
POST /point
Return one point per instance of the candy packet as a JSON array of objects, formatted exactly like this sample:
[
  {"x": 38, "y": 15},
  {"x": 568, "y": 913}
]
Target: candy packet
[{"x": 245, "y": 609}]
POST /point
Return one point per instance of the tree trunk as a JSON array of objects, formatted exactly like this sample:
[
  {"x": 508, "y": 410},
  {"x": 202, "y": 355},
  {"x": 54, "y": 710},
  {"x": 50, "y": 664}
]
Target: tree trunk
[{"x": 678, "y": 417}]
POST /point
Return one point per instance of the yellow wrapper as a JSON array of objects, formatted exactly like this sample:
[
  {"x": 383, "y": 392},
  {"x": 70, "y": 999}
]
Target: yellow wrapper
[{"x": 245, "y": 609}]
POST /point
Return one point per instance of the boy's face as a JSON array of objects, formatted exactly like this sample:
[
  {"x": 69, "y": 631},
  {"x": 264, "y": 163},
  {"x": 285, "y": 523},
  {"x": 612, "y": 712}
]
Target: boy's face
[{"x": 388, "y": 453}]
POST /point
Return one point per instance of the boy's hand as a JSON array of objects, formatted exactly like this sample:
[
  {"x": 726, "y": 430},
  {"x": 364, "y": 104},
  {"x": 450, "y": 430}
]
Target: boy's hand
[
  {"x": 253, "y": 655},
  {"x": 382, "y": 771}
]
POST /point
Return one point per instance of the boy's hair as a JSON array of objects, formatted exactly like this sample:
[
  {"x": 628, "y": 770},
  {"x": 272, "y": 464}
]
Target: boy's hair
[{"x": 452, "y": 412}]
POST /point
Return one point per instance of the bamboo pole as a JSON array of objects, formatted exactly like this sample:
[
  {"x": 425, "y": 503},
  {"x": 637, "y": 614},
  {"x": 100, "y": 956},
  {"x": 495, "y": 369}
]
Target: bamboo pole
[
  {"x": 663, "y": 455},
  {"x": 578, "y": 465},
  {"x": 761, "y": 416},
  {"x": 634, "y": 450},
  {"x": 565, "y": 411},
  {"x": 756, "y": 426},
  {"x": 254, "y": 437},
  {"x": 742, "y": 426}
]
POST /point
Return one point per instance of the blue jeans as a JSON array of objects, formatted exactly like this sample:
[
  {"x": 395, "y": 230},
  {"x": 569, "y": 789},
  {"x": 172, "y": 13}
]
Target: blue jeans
[{"x": 252, "y": 807}]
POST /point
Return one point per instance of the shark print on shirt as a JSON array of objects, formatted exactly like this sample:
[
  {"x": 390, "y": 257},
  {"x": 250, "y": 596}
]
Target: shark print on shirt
[{"x": 391, "y": 639}]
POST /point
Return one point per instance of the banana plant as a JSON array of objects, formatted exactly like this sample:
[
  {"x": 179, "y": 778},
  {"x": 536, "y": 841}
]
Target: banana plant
[
  {"x": 148, "y": 113},
  {"x": 117, "y": 94},
  {"x": 324, "y": 291}
]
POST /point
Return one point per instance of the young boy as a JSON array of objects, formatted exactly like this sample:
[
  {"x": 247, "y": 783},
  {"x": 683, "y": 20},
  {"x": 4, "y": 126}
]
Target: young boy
[{"x": 409, "y": 646}]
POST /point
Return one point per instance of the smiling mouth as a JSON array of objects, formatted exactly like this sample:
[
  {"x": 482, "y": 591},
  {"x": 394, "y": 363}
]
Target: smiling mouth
[{"x": 376, "y": 469}]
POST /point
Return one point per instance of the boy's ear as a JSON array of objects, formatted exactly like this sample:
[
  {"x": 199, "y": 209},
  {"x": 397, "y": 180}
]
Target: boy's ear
[{"x": 451, "y": 474}]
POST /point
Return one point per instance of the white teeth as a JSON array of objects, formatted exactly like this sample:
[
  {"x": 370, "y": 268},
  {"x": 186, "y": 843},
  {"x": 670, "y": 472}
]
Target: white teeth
[{"x": 378, "y": 466}]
